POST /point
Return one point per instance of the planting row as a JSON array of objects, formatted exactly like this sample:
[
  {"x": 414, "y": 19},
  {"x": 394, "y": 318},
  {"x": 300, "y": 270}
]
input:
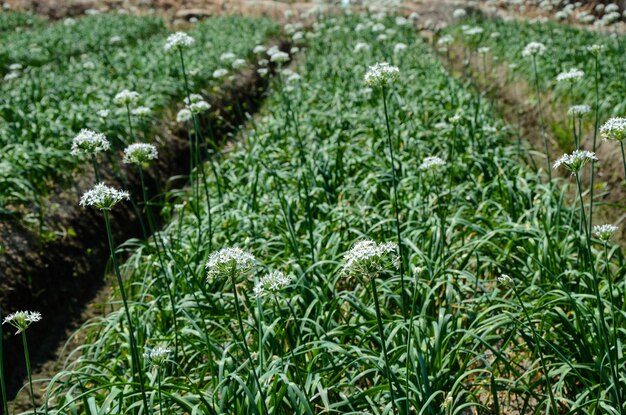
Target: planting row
[
  {"x": 44, "y": 107},
  {"x": 373, "y": 244}
]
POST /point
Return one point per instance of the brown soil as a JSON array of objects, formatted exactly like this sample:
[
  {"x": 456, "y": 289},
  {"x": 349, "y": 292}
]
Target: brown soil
[{"x": 63, "y": 278}]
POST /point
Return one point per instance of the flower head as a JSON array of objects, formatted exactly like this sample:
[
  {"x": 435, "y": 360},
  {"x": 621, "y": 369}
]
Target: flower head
[
  {"x": 271, "y": 284},
  {"x": 575, "y": 161},
  {"x": 579, "y": 110},
  {"x": 361, "y": 46},
  {"x": 239, "y": 63},
  {"x": 220, "y": 73},
  {"x": 279, "y": 57},
  {"x": 534, "y": 49},
  {"x": 605, "y": 232},
  {"x": 140, "y": 153},
  {"x": 103, "y": 197},
  {"x": 183, "y": 115},
  {"x": 505, "y": 280},
  {"x": 431, "y": 163},
  {"x": 89, "y": 143},
  {"x": 459, "y": 13},
  {"x": 381, "y": 74},
  {"x": 399, "y": 48},
  {"x": 141, "y": 111},
  {"x": 614, "y": 129},
  {"x": 445, "y": 40},
  {"x": 157, "y": 356},
  {"x": 22, "y": 319},
  {"x": 367, "y": 258},
  {"x": 178, "y": 40},
  {"x": 228, "y": 262},
  {"x": 126, "y": 97},
  {"x": 199, "y": 106},
  {"x": 595, "y": 49},
  {"x": 571, "y": 75},
  {"x": 228, "y": 57}
]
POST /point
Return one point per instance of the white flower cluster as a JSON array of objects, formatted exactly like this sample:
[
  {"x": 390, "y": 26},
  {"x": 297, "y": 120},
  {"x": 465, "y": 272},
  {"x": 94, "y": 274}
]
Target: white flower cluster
[
  {"x": 445, "y": 40},
  {"x": 279, "y": 57},
  {"x": 367, "y": 257},
  {"x": 22, "y": 319},
  {"x": 103, "y": 197},
  {"x": 472, "y": 31},
  {"x": 595, "y": 49},
  {"x": 157, "y": 356},
  {"x": 575, "y": 161},
  {"x": 126, "y": 97},
  {"x": 534, "y": 49},
  {"x": 195, "y": 104},
  {"x": 579, "y": 110},
  {"x": 271, "y": 284},
  {"x": 220, "y": 73},
  {"x": 184, "y": 115},
  {"x": 228, "y": 262},
  {"x": 381, "y": 74},
  {"x": 459, "y": 13},
  {"x": 141, "y": 111},
  {"x": 89, "y": 143},
  {"x": 571, "y": 75},
  {"x": 614, "y": 129},
  {"x": 605, "y": 232},
  {"x": 178, "y": 40},
  {"x": 228, "y": 57},
  {"x": 360, "y": 46},
  {"x": 140, "y": 153},
  {"x": 431, "y": 163}
]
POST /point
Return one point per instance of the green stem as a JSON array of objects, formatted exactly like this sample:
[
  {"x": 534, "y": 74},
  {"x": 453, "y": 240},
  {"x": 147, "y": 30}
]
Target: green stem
[
  {"x": 29, "y": 371},
  {"x": 595, "y": 135},
  {"x": 159, "y": 391},
  {"x": 130, "y": 123},
  {"x": 94, "y": 163},
  {"x": 5, "y": 403},
  {"x": 245, "y": 345},
  {"x": 383, "y": 343},
  {"x": 621, "y": 144},
  {"x": 602, "y": 329},
  {"x": 395, "y": 201},
  {"x": 131, "y": 331},
  {"x": 541, "y": 121},
  {"x": 157, "y": 245}
]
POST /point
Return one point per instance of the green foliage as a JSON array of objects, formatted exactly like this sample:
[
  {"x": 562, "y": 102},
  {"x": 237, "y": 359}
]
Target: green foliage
[
  {"x": 473, "y": 342},
  {"x": 78, "y": 72}
]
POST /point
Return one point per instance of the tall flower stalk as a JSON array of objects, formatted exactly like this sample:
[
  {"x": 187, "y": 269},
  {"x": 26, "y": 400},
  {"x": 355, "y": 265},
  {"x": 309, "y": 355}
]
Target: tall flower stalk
[
  {"x": 21, "y": 320},
  {"x": 595, "y": 51},
  {"x": 176, "y": 42},
  {"x": 231, "y": 264},
  {"x": 3, "y": 388},
  {"x": 367, "y": 260},
  {"x": 141, "y": 154},
  {"x": 383, "y": 75},
  {"x": 533, "y": 50},
  {"x": 574, "y": 163},
  {"x": 104, "y": 198}
]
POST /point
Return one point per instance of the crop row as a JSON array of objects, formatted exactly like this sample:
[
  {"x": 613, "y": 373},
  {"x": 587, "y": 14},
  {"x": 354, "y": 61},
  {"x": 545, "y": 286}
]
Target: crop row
[
  {"x": 567, "y": 48},
  {"x": 372, "y": 244},
  {"x": 45, "y": 106}
]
